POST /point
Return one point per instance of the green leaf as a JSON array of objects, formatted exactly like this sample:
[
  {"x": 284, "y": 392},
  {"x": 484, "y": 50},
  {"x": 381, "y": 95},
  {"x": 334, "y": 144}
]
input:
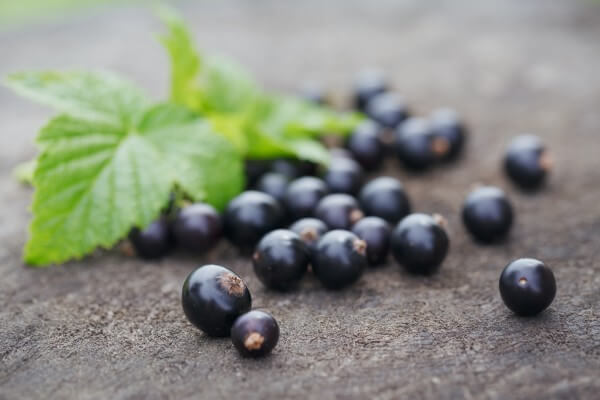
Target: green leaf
[
  {"x": 164, "y": 115},
  {"x": 96, "y": 96},
  {"x": 94, "y": 181},
  {"x": 204, "y": 84},
  {"x": 185, "y": 61},
  {"x": 283, "y": 126},
  {"x": 259, "y": 125},
  {"x": 224, "y": 86},
  {"x": 264, "y": 145},
  {"x": 292, "y": 117},
  {"x": 310, "y": 150},
  {"x": 233, "y": 128},
  {"x": 205, "y": 165}
]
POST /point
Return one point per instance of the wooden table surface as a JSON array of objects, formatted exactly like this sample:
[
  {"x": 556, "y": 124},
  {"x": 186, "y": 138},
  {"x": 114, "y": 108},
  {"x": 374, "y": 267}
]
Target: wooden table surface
[{"x": 111, "y": 327}]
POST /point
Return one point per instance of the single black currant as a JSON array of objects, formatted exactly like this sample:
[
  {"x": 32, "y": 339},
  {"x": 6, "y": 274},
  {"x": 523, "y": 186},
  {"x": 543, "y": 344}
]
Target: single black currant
[
  {"x": 487, "y": 214},
  {"x": 448, "y": 127},
  {"x": 420, "y": 243},
  {"x": 255, "y": 333},
  {"x": 527, "y": 286},
  {"x": 338, "y": 211},
  {"x": 366, "y": 146},
  {"x": 154, "y": 241},
  {"x": 281, "y": 259},
  {"x": 310, "y": 231},
  {"x": 303, "y": 195},
  {"x": 417, "y": 145},
  {"x": 527, "y": 161},
  {"x": 249, "y": 216},
  {"x": 197, "y": 227},
  {"x": 314, "y": 93},
  {"x": 340, "y": 259},
  {"x": 368, "y": 83},
  {"x": 376, "y": 233},
  {"x": 273, "y": 183},
  {"x": 213, "y": 297},
  {"x": 388, "y": 109},
  {"x": 385, "y": 197},
  {"x": 344, "y": 175}
]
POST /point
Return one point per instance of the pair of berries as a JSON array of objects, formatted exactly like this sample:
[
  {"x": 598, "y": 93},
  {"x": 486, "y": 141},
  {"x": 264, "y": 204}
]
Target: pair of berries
[
  {"x": 217, "y": 301},
  {"x": 196, "y": 228},
  {"x": 282, "y": 257}
]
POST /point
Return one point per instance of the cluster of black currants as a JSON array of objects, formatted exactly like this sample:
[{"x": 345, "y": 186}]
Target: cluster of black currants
[
  {"x": 338, "y": 225},
  {"x": 332, "y": 231}
]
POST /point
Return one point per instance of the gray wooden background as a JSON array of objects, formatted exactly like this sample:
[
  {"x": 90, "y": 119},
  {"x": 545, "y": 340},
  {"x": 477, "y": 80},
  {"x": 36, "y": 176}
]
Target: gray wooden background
[{"x": 111, "y": 327}]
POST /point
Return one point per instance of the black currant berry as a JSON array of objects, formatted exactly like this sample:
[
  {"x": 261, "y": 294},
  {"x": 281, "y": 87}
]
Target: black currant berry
[
  {"x": 343, "y": 176},
  {"x": 338, "y": 211},
  {"x": 154, "y": 241},
  {"x": 281, "y": 259},
  {"x": 388, "y": 109},
  {"x": 368, "y": 83},
  {"x": 303, "y": 195},
  {"x": 376, "y": 233},
  {"x": 249, "y": 216},
  {"x": 197, "y": 227},
  {"x": 213, "y": 297},
  {"x": 385, "y": 197},
  {"x": 340, "y": 259},
  {"x": 448, "y": 127},
  {"x": 310, "y": 231},
  {"x": 274, "y": 184},
  {"x": 527, "y": 286},
  {"x": 417, "y": 145},
  {"x": 255, "y": 333},
  {"x": 420, "y": 243},
  {"x": 487, "y": 214},
  {"x": 527, "y": 161},
  {"x": 366, "y": 146}
]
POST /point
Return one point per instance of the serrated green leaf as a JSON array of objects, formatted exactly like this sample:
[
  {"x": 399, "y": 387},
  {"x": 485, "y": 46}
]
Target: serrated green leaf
[
  {"x": 94, "y": 181},
  {"x": 205, "y": 84},
  {"x": 224, "y": 86},
  {"x": 264, "y": 145},
  {"x": 315, "y": 121},
  {"x": 232, "y": 127},
  {"x": 164, "y": 115},
  {"x": 185, "y": 61},
  {"x": 258, "y": 124},
  {"x": 310, "y": 150},
  {"x": 292, "y": 117},
  {"x": 91, "y": 188},
  {"x": 96, "y": 96},
  {"x": 205, "y": 165}
]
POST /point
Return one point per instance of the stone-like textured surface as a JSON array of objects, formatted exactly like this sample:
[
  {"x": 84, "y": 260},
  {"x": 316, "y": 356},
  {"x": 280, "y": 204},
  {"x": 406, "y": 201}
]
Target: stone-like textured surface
[{"x": 112, "y": 327}]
